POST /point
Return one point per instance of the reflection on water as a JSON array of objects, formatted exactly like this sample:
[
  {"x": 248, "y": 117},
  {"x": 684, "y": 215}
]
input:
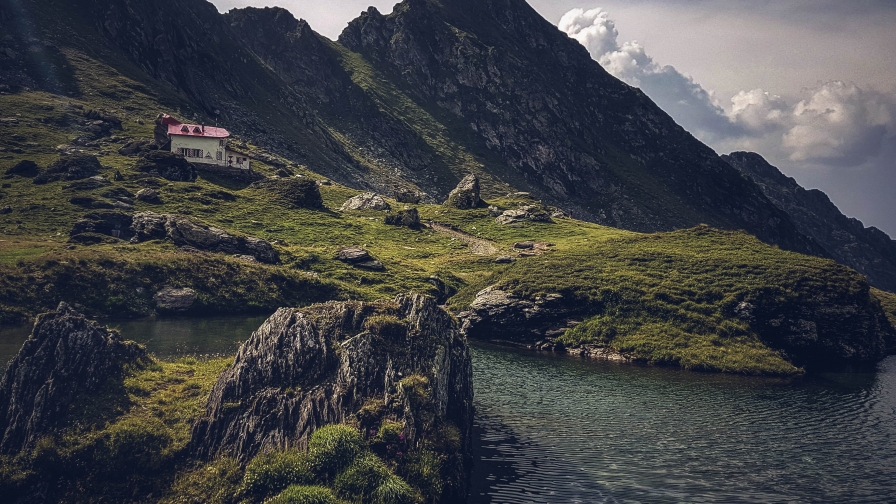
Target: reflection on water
[
  {"x": 560, "y": 429},
  {"x": 556, "y": 429},
  {"x": 168, "y": 338},
  {"x": 164, "y": 337}
]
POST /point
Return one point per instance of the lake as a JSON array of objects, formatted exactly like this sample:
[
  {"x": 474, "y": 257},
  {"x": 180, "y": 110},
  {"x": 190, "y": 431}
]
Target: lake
[{"x": 558, "y": 429}]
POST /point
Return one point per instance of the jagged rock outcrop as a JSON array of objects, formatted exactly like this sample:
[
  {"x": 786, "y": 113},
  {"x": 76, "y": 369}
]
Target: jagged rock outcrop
[
  {"x": 366, "y": 201},
  {"x": 498, "y": 314},
  {"x": 167, "y": 165},
  {"x": 66, "y": 356},
  {"x": 867, "y": 250},
  {"x": 466, "y": 194},
  {"x": 305, "y": 368},
  {"x": 186, "y": 232},
  {"x": 71, "y": 167},
  {"x": 832, "y": 330}
]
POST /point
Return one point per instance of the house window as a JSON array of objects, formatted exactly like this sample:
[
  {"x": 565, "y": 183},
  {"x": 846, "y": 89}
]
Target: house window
[
  {"x": 191, "y": 153},
  {"x": 221, "y": 143},
  {"x": 220, "y": 156}
]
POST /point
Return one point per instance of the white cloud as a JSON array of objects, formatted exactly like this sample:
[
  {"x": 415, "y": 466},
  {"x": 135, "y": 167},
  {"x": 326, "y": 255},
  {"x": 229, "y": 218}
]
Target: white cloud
[{"x": 836, "y": 124}]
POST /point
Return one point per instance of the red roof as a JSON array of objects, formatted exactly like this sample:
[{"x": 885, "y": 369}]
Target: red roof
[{"x": 175, "y": 127}]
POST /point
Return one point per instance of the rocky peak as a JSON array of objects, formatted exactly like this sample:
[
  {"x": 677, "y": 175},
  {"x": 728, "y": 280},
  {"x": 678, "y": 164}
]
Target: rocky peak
[
  {"x": 66, "y": 356},
  {"x": 526, "y": 91}
]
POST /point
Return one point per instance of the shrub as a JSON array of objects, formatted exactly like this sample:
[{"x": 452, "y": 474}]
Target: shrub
[
  {"x": 386, "y": 326},
  {"x": 270, "y": 473},
  {"x": 394, "y": 491},
  {"x": 424, "y": 471},
  {"x": 213, "y": 483},
  {"x": 305, "y": 495},
  {"x": 333, "y": 447},
  {"x": 362, "y": 478}
]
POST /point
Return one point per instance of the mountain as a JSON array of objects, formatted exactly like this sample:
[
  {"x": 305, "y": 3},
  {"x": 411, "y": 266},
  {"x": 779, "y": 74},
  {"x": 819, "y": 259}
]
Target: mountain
[
  {"x": 868, "y": 250},
  {"x": 416, "y": 100},
  {"x": 563, "y": 128}
]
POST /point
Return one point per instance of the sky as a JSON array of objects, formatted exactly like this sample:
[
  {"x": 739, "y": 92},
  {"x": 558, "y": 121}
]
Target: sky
[{"x": 809, "y": 84}]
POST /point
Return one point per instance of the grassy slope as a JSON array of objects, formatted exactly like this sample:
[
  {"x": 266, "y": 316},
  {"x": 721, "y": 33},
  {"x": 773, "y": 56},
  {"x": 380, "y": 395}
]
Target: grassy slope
[
  {"x": 663, "y": 297},
  {"x": 888, "y": 302}
]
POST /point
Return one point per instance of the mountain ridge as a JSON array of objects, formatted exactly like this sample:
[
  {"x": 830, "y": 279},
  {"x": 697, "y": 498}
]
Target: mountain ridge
[{"x": 869, "y": 250}]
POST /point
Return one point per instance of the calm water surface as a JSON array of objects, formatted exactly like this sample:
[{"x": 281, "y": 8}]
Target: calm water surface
[{"x": 556, "y": 429}]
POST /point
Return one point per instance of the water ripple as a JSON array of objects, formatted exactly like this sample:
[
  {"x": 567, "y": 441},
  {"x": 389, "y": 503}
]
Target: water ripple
[{"x": 557, "y": 429}]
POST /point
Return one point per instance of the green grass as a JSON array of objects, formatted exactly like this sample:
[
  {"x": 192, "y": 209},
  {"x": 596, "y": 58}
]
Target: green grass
[
  {"x": 888, "y": 302},
  {"x": 128, "y": 437}
]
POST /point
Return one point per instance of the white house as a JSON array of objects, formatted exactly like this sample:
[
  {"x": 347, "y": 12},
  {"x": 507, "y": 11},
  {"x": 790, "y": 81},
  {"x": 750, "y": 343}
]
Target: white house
[{"x": 203, "y": 144}]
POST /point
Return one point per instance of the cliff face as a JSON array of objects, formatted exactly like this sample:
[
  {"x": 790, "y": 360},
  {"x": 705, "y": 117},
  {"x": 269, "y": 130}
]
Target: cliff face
[
  {"x": 867, "y": 250},
  {"x": 65, "y": 357},
  {"x": 577, "y": 136},
  {"x": 303, "y": 369}
]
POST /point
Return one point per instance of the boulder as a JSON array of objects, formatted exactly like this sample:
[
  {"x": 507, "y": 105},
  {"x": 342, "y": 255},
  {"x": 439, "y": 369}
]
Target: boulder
[
  {"x": 466, "y": 194},
  {"x": 137, "y": 147},
  {"x": 499, "y": 314},
  {"x": 172, "y": 299},
  {"x": 505, "y": 259},
  {"x": 408, "y": 196},
  {"x": 407, "y": 218},
  {"x": 6, "y": 210},
  {"x": 148, "y": 195},
  {"x": 24, "y": 168},
  {"x": 76, "y": 166},
  {"x": 352, "y": 255},
  {"x": 524, "y": 213},
  {"x": 359, "y": 258},
  {"x": 65, "y": 357},
  {"x": 106, "y": 223},
  {"x": 366, "y": 201},
  {"x": 186, "y": 232},
  {"x": 306, "y": 368},
  {"x": 167, "y": 165}
]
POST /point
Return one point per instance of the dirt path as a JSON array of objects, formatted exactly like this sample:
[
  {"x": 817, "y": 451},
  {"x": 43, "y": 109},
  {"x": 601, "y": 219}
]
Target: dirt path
[{"x": 478, "y": 246}]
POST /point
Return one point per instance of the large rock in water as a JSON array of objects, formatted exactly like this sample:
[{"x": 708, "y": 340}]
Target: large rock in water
[
  {"x": 185, "y": 232},
  {"x": 66, "y": 356},
  {"x": 306, "y": 368},
  {"x": 466, "y": 194}
]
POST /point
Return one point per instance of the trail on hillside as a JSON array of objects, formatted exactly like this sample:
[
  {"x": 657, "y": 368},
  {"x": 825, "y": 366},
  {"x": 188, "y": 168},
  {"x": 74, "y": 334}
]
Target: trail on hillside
[{"x": 478, "y": 246}]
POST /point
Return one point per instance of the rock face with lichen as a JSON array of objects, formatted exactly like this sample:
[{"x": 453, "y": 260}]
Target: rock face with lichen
[
  {"x": 186, "y": 232},
  {"x": 305, "y": 368},
  {"x": 466, "y": 194},
  {"x": 65, "y": 357}
]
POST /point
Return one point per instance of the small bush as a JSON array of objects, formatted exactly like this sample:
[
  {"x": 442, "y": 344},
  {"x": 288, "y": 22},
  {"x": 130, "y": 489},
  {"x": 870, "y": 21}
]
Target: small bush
[
  {"x": 424, "y": 471},
  {"x": 386, "y": 326},
  {"x": 214, "y": 483},
  {"x": 394, "y": 491},
  {"x": 333, "y": 447},
  {"x": 270, "y": 473},
  {"x": 305, "y": 495},
  {"x": 362, "y": 478}
]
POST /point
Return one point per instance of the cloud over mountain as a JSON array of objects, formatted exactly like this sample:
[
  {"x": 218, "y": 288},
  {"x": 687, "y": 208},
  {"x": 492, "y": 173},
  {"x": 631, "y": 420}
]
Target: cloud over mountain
[{"x": 835, "y": 124}]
